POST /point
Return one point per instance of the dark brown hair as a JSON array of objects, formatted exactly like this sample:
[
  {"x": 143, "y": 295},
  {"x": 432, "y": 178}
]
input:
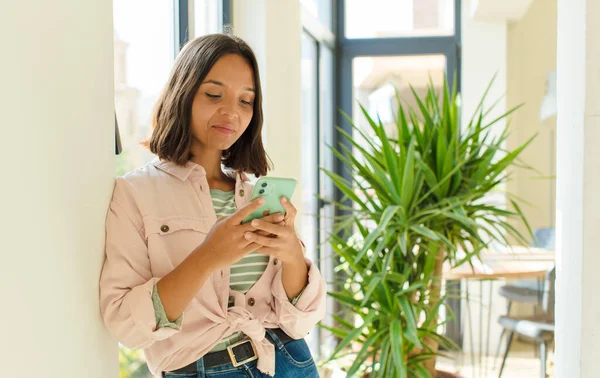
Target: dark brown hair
[{"x": 171, "y": 137}]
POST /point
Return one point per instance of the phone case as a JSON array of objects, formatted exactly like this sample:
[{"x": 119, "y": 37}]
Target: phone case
[{"x": 271, "y": 189}]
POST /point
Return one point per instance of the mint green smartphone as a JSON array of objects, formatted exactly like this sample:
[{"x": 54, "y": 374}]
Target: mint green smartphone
[{"x": 271, "y": 189}]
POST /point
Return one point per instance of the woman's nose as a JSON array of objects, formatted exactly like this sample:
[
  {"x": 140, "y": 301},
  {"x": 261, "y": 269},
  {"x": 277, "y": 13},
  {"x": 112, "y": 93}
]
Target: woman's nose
[{"x": 228, "y": 109}]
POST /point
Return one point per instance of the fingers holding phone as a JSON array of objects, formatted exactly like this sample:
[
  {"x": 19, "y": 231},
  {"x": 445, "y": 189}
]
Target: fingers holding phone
[
  {"x": 281, "y": 242},
  {"x": 226, "y": 241},
  {"x": 277, "y": 219},
  {"x": 290, "y": 211}
]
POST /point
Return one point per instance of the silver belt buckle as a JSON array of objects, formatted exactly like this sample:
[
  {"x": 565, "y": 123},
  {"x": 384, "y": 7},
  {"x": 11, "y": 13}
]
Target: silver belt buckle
[{"x": 234, "y": 360}]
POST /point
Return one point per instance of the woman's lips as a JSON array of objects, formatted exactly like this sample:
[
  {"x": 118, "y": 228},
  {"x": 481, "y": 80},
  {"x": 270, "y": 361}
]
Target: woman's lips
[{"x": 224, "y": 129}]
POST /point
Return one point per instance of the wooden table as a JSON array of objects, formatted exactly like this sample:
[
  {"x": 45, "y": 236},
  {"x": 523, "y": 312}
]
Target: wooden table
[{"x": 515, "y": 262}]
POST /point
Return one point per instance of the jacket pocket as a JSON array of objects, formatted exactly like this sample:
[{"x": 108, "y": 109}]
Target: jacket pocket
[
  {"x": 173, "y": 238},
  {"x": 171, "y": 225}
]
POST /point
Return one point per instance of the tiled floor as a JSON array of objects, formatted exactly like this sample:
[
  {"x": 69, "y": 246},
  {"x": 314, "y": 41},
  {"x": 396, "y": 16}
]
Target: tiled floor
[{"x": 521, "y": 363}]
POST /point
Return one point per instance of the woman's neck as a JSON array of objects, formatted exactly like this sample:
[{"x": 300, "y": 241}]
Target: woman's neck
[{"x": 211, "y": 162}]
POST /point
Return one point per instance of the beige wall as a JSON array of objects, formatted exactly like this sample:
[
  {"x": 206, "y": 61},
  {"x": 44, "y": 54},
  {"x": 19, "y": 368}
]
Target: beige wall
[
  {"x": 57, "y": 127},
  {"x": 531, "y": 55}
]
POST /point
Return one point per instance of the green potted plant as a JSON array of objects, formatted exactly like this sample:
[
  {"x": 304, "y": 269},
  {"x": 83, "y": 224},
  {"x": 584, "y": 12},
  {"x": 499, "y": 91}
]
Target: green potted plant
[{"x": 417, "y": 200}]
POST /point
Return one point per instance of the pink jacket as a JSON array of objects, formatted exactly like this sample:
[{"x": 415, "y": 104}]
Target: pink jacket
[{"x": 158, "y": 215}]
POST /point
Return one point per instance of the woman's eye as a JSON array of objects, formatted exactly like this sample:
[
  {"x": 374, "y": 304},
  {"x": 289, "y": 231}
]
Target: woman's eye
[
  {"x": 246, "y": 102},
  {"x": 213, "y": 95}
]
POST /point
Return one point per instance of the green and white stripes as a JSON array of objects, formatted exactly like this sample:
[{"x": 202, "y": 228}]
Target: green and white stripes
[{"x": 245, "y": 272}]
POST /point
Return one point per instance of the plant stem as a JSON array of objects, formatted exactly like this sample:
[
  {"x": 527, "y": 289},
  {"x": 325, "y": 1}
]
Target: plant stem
[{"x": 434, "y": 298}]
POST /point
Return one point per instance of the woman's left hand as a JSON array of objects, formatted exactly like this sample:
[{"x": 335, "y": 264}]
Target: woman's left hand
[{"x": 282, "y": 242}]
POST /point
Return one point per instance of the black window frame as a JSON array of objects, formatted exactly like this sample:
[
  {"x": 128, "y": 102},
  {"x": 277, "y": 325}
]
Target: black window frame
[{"x": 182, "y": 21}]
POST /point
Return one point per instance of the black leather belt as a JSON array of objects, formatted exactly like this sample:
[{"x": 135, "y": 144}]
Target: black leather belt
[{"x": 236, "y": 354}]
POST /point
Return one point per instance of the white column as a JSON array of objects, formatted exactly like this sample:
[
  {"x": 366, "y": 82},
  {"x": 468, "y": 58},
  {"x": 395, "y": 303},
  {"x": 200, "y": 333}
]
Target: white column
[
  {"x": 273, "y": 30},
  {"x": 57, "y": 127},
  {"x": 578, "y": 185}
]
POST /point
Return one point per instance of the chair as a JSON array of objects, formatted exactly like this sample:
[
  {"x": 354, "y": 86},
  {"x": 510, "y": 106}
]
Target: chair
[
  {"x": 527, "y": 290},
  {"x": 539, "y": 327}
]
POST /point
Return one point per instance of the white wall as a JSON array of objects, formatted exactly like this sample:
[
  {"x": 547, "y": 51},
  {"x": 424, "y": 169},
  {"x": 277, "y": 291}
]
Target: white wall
[
  {"x": 578, "y": 185},
  {"x": 273, "y": 30},
  {"x": 56, "y": 101},
  {"x": 483, "y": 56}
]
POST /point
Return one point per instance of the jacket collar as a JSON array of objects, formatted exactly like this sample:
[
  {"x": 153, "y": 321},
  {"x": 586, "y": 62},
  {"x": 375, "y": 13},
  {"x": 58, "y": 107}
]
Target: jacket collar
[{"x": 192, "y": 170}]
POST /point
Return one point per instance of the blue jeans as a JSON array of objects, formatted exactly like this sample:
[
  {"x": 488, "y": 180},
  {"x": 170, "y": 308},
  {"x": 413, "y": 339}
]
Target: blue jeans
[{"x": 292, "y": 360}]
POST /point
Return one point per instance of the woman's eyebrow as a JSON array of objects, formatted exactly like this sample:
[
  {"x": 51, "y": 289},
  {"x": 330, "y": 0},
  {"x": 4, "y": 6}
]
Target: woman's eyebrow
[{"x": 215, "y": 82}]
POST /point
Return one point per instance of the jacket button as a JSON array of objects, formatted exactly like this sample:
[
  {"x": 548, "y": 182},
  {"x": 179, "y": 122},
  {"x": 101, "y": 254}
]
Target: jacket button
[
  {"x": 164, "y": 228},
  {"x": 251, "y": 302},
  {"x": 241, "y": 192},
  {"x": 275, "y": 261}
]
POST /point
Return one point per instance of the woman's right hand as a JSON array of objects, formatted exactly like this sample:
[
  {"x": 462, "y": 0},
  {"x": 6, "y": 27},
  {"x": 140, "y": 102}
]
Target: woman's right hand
[{"x": 225, "y": 242}]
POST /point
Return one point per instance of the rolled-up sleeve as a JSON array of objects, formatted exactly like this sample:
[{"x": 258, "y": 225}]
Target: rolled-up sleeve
[
  {"x": 126, "y": 282},
  {"x": 297, "y": 320}
]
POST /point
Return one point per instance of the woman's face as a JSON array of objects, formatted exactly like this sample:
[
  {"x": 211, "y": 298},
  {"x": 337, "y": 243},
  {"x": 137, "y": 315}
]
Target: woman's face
[{"x": 223, "y": 105}]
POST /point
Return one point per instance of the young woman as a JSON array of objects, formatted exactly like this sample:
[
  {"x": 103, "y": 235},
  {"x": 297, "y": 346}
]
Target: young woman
[{"x": 203, "y": 294}]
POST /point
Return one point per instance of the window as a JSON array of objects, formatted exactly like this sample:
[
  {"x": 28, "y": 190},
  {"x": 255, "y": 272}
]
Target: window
[
  {"x": 317, "y": 131},
  {"x": 144, "y": 45},
  {"x": 321, "y": 10},
  {"x": 310, "y": 156},
  {"x": 205, "y": 17},
  {"x": 310, "y": 143},
  {"x": 398, "y": 18},
  {"x": 327, "y": 112},
  {"x": 376, "y": 80}
]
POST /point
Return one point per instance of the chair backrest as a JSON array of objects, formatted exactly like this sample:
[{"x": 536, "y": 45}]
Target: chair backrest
[
  {"x": 549, "y": 290},
  {"x": 544, "y": 238}
]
